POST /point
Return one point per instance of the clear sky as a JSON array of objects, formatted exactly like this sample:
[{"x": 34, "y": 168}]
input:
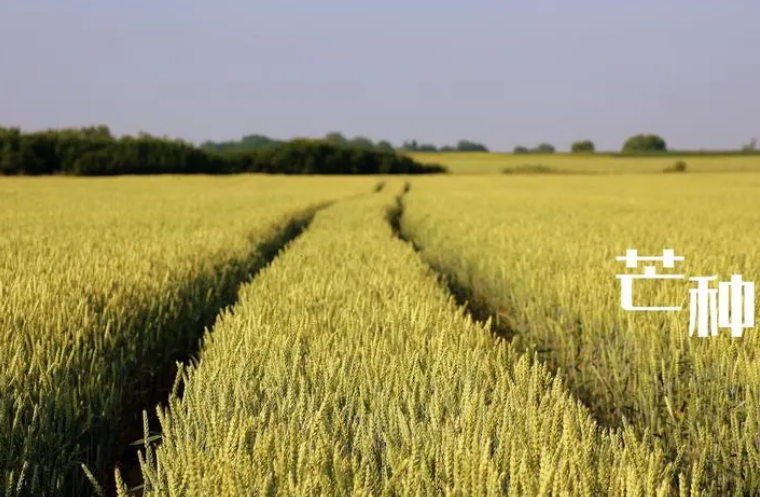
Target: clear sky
[{"x": 501, "y": 72}]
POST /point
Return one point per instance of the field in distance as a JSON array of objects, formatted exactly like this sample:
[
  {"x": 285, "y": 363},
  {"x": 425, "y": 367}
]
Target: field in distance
[{"x": 494, "y": 162}]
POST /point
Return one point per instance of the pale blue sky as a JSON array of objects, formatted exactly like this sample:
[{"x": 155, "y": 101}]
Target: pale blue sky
[{"x": 500, "y": 72}]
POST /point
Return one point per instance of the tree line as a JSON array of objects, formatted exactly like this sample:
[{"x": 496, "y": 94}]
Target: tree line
[
  {"x": 256, "y": 141},
  {"x": 636, "y": 144},
  {"x": 94, "y": 151},
  {"x": 642, "y": 143}
]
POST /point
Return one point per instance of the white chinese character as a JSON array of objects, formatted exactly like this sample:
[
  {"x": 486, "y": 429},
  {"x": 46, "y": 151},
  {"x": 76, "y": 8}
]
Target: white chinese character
[
  {"x": 631, "y": 259},
  {"x": 739, "y": 319},
  {"x": 703, "y": 307},
  {"x": 710, "y": 308}
]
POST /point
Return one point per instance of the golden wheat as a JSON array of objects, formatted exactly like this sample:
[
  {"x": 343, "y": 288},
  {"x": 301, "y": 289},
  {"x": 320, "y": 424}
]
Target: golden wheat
[
  {"x": 101, "y": 282},
  {"x": 540, "y": 252},
  {"x": 346, "y": 369}
]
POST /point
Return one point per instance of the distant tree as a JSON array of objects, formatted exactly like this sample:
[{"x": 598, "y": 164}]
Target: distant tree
[
  {"x": 520, "y": 150},
  {"x": 545, "y": 148},
  {"x": 100, "y": 131},
  {"x": 448, "y": 148},
  {"x": 9, "y": 144},
  {"x": 471, "y": 146},
  {"x": 335, "y": 138},
  {"x": 247, "y": 142},
  {"x": 427, "y": 147},
  {"x": 645, "y": 143},
  {"x": 361, "y": 142},
  {"x": 257, "y": 141},
  {"x": 751, "y": 146},
  {"x": 87, "y": 152},
  {"x": 384, "y": 145},
  {"x": 410, "y": 146},
  {"x": 583, "y": 146}
]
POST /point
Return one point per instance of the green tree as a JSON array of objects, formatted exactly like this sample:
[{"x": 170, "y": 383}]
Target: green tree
[
  {"x": 101, "y": 131},
  {"x": 427, "y": 147},
  {"x": 583, "y": 146},
  {"x": 257, "y": 141},
  {"x": 751, "y": 146},
  {"x": 410, "y": 146},
  {"x": 361, "y": 142},
  {"x": 521, "y": 150},
  {"x": 248, "y": 142},
  {"x": 335, "y": 138},
  {"x": 471, "y": 146},
  {"x": 545, "y": 148},
  {"x": 645, "y": 143},
  {"x": 9, "y": 144}
]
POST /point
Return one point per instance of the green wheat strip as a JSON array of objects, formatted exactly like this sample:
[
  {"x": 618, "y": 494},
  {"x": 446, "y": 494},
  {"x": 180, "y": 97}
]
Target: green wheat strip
[{"x": 346, "y": 369}]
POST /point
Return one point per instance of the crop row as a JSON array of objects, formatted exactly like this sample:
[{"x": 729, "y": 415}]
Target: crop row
[
  {"x": 346, "y": 368},
  {"x": 540, "y": 254},
  {"x": 105, "y": 283}
]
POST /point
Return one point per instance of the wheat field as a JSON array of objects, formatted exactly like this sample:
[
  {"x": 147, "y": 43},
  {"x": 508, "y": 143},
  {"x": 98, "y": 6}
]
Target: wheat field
[
  {"x": 540, "y": 252},
  {"x": 448, "y": 335},
  {"x": 347, "y": 370},
  {"x": 102, "y": 282}
]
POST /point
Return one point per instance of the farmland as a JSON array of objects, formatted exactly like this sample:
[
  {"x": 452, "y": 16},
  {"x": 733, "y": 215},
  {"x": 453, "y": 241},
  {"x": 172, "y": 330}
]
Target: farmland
[
  {"x": 327, "y": 344},
  {"x": 103, "y": 285},
  {"x": 540, "y": 252},
  {"x": 490, "y": 163},
  {"x": 347, "y": 370}
]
